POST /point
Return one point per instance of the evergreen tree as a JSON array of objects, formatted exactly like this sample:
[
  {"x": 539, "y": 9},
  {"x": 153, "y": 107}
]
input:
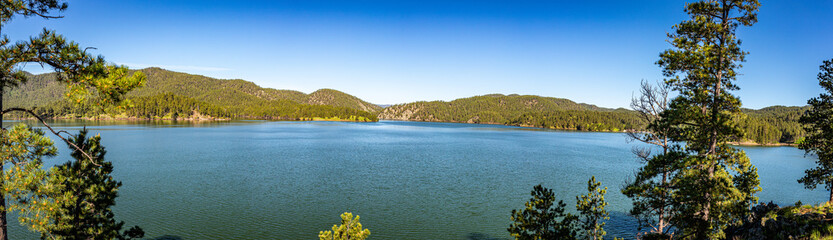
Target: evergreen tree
[
  {"x": 83, "y": 192},
  {"x": 23, "y": 150},
  {"x": 542, "y": 218},
  {"x": 592, "y": 210},
  {"x": 716, "y": 182},
  {"x": 76, "y": 68},
  {"x": 818, "y": 122},
  {"x": 350, "y": 229},
  {"x": 651, "y": 188}
]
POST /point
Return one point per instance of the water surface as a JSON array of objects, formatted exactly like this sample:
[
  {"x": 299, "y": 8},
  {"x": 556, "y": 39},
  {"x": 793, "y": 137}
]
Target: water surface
[{"x": 407, "y": 180}]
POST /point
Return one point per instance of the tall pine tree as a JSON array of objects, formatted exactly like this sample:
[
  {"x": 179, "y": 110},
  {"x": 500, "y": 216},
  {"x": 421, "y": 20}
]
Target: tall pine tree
[
  {"x": 592, "y": 213},
  {"x": 350, "y": 229},
  {"x": 651, "y": 188},
  {"x": 818, "y": 122},
  {"x": 543, "y": 218},
  {"x": 83, "y": 193},
  {"x": 716, "y": 182},
  {"x": 76, "y": 68}
]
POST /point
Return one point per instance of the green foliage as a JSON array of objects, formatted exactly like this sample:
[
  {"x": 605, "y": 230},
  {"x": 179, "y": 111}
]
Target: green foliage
[
  {"x": 581, "y": 120},
  {"x": 70, "y": 201},
  {"x": 75, "y": 68},
  {"x": 591, "y": 208},
  {"x": 350, "y": 229},
  {"x": 776, "y": 124},
  {"x": 109, "y": 89},
  {"x": 80, "y": 194},
  {"x": 542, "y": 218},
  {"x": 23, "y": 150},
  {"x": 213, "y": 91},
  {"x": 651, "y": 189},
  {"x": 818, "y": 122},
  {"x": 799, "y": 141},
  {"x": 769, "y": 125},
  {"x": 171, "y": 95},
  {"x": 769, "y": 221},
  {"x": 715, "y": 182},
  {"x": 79, "y": 72},
  {"x": 518, "y": 110}
]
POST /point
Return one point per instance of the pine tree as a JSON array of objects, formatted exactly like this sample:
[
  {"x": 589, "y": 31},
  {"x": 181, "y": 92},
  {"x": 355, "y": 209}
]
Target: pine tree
[
  {"x": 23, "y": 150},
  {"x": 651, "y": 188},
  {"x": 591, "y": 208},
  {"x": 818, "y": 122},
  {"x": 83, "y": 192},
  {"x": 79, "y": 70},
  {"x": 543, "y": 218},
  {"x": 716, "y": 182},
  {"x": 350, "y": 229}
]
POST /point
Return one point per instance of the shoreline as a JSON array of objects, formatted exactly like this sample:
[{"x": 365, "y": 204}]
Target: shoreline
[
  {"x": 742, "y": 143},
  {"x": 315, "y": 119},
  {"x": 754, "y": 144}
]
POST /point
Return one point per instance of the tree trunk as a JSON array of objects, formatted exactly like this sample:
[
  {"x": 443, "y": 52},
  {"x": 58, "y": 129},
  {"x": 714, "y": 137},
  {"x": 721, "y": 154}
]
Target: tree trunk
[
  {"x": 661, "y": 224},
  {"x": 3, "y": 222},
  {"x": 830, "y": 200}
]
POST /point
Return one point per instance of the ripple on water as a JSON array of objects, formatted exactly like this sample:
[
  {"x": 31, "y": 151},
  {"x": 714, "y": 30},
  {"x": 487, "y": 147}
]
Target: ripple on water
[{"x": 290, "y": 180}]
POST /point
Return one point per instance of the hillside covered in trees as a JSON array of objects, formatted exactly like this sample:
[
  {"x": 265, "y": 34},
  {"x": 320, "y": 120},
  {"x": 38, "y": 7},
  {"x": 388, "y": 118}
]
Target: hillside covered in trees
[
  {"x": 170, "y": 95},
  {"x": 775, "y": 124},
  {"x": 175, "y": 95},
  {"x": 518, "y": 110},
  {"x": 771, "y": 125}
]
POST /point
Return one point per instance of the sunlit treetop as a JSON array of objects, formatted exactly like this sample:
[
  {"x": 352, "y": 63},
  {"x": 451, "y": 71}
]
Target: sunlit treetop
[
  {"x": 80, "y": 70},
  {"x": 27, "y": 8}
]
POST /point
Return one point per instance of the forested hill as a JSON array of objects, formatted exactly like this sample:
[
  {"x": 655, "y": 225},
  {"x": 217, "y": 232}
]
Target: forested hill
[
  {"x": 771, "y": 125},
  {"x": 170, "y": 95},
  {"x": 210, "y": 90},
  {"x": 223, "y": 98},
  {"x": 775, "y": 124},
  {"x": 41, "y": 91},
  {"x": 519, "y": 110}
]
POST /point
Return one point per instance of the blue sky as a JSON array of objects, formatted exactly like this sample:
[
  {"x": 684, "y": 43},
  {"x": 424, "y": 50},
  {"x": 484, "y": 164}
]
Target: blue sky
[{"x": 402, "y": 51}]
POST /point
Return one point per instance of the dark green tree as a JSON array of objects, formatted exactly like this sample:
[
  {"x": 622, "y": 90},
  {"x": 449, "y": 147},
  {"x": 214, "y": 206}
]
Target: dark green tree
[
  {"x": 542, "y": 218},
  {"x": 82, "y": 193},
  {"x": 818, "y": 123},
  {"x": 716, "y": 183},
  {"x": 651, "y": 188},
  {"x": 591, "y": 208},
  {"x": 79, "y": 70}
]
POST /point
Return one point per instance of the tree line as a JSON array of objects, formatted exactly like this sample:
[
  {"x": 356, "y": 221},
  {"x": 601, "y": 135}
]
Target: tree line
[
  {"x": 776, "y": 124},
  {"x": 172, "y": 107}
]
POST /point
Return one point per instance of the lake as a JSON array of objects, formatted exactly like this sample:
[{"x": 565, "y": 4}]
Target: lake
[{"x": 407, "y": 180}]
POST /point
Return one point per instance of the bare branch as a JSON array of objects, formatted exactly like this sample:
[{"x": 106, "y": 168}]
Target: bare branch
[
  {"x": 29, "y": 11},
  {"x": 57, "y": 133},
  {"x": 650, "y": 104}
]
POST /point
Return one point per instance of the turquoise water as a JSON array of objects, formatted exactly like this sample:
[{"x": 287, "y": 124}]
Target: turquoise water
[{"x": 407, "y": 180}]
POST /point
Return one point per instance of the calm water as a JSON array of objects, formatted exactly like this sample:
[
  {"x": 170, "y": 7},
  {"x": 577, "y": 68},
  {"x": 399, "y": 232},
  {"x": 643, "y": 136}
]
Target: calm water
[{"x": 289, "y": 180}]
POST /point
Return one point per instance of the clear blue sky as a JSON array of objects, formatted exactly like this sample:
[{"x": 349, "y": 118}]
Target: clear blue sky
[{"x": 401, "y": 51}]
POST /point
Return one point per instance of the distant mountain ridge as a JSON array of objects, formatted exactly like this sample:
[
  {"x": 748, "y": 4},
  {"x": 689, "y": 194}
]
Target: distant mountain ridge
[
  {"x": 770, "y": 125},
  {"x": 497, "y": 107},
  {"x": 518, "y": 110},
  {"x": 41, "y": 90},
  {"x": 175, "y": 95},
  {"x": 172, "y": 95}
]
